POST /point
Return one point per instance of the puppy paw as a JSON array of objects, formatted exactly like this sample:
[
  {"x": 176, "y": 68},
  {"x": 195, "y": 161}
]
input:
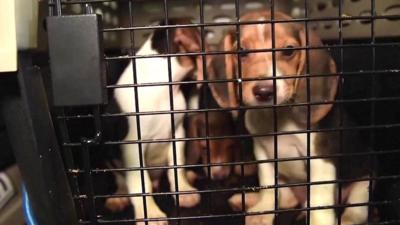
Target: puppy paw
[
  {"x": 163, "y": 222},
  {"x": 117, "y": 204},
  {"x": 259, "y": 220},
  {"x": 191, "y": 176},
  {"x": 323, "y": 217},
  {"x": 266, "y": 219},
  {"x": 347, "y": 220},
  {"x": 189, "y": 200},
  {"x": 235, "y": 202},
  {"x": 152, "y": 213}
]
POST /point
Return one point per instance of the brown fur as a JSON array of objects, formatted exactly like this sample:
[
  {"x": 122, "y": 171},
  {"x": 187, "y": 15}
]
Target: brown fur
[
  {"x": 181, "y": 40},
  {"x": 291, "y": 60},
  {"x": 253, "y": 65},
  {"x": 221, "y": 150}
]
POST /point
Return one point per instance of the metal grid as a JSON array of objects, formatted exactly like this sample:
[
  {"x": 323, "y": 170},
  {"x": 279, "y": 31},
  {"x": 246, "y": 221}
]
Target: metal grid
[{"x": 83, "y": 144}]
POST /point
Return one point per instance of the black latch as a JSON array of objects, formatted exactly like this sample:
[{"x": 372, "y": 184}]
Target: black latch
[{"x": 76, "y": 60}]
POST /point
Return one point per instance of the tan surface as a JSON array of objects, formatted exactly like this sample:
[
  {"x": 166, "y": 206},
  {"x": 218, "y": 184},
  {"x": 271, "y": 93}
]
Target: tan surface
[{"x": 8, "y": 45}]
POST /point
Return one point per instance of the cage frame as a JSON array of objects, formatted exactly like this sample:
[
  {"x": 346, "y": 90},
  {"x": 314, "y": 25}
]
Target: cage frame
[{"x": 55, "y": 9}]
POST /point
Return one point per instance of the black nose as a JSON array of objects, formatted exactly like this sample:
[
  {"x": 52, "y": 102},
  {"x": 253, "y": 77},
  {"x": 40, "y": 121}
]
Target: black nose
[{"x": 264, "y": 91}]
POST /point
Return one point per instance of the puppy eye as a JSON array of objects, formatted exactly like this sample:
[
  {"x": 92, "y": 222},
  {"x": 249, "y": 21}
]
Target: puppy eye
[{"x": 289, "y": 51}]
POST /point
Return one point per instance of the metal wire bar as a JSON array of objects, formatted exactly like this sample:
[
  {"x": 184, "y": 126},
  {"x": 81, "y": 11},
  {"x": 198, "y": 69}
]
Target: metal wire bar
[
  {"x": 206, "y": 100},
  {"x": 171, "y": 107},
  {"x": 225, "y": 24},
  {"x": 57, "y": 6},
  {"x": 372, "y": 167},
  {"x": 376, "y": 203},
  {"x": 331, "y": 156},
  {"x": 137, "y": 108},
  {"x": 89, "y": 185},
  {"x": 386, "y": 44},
  {"x": 128, "y": 222},
  {"x": 87, "y": 143},
  {"x": 363, "y": 100},
  {"x": 308, "y": 95},
  {"x": 365, "y": 127},
  {"x": 284, "y": 77},
  {"x": 275, "y": 115},
  {"x": 69, "y": 161},
  {"x": 248, "y": 188},
  {"x": 239, "y": 77},
  {"x": 340, "y": 106}
]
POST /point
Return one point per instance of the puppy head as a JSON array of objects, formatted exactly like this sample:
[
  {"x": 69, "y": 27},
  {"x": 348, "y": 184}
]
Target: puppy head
[
  {"x": 288, "y": 62},
  {"x": 180, "y": 40},
  {"x": 220, "y": 150}
]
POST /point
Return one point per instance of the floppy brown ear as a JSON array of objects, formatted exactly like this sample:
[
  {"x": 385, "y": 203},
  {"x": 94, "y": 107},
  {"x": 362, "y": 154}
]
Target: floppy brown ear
[
  {"x": 193, "y": 148},
  {"x": 322, "y": 88},
  {"x": 222, "y": 68},
  {"x": 187, "y": 37},
  {"x": 189, "y": 40}
]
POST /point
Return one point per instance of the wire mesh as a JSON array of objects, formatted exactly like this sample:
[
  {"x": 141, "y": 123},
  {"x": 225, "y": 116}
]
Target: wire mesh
[{"x": 366, "y": 69}]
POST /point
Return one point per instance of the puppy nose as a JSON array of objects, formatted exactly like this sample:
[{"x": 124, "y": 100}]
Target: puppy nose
[
  {"x": 264, "y": 91},
  {"x": 219, "y": 172}
]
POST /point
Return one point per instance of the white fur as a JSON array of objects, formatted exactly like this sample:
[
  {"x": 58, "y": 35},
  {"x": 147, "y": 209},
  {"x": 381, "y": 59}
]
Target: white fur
[
  {"x": 194, "y": 99},
  {"x": 290, "y": 145},
  {"x": 153, "y": 98},
  {"x": 358, "y": 195},
  {"x": 295, "y": 145},
  {"x": 281, "y": 91},
  {"x": 323, "y": 194},
  {"x": 261, "y": 29}
]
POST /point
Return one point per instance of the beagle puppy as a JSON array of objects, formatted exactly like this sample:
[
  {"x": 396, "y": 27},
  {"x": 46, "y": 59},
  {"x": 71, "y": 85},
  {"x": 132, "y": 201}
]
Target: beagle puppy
[
  {"x": 224, "y": 150},
  {"x": 153, "y": 127},
  {"x": 219, "y": 123},
  {"x": 289, "y": 123}
]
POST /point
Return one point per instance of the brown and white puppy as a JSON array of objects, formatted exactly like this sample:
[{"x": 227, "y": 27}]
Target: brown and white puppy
[
  {"x": 221, "y": 150},
  {"x": 292, "y": 120},
  {"x": 154, "y": 127},
  {"x": 224, "y": 150}
]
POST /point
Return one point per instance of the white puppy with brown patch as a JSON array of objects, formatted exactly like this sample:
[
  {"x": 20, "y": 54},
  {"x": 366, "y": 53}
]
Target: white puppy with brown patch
[{"x": 153, "y": 127}]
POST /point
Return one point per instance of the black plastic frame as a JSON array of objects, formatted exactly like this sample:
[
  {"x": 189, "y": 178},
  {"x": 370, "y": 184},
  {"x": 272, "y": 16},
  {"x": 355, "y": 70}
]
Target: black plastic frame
[{"x": 32, "y": 136}]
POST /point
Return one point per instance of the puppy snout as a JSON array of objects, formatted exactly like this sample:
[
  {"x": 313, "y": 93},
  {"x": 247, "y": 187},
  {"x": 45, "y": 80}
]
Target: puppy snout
[
  {"x": 219, "y": 172},
  {"x": 264, "y": 91}
]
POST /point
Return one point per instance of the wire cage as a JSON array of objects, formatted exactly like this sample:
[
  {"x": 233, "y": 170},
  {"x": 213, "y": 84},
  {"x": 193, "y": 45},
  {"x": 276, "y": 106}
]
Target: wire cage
[{"x": 361, "y": 36}]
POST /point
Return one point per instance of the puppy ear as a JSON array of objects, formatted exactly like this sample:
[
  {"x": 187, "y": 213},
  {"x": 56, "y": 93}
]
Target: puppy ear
[
  {"x": 193, "y": 148},
  {"x": 185, "y": 39},
  {"x": 188, "y": 40},
  {"x": 223, "y": 67},
  {"x": 229, "y": 41},
  {"x": 199, "y": 63},
  {"x": 322, "y": 88}
]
